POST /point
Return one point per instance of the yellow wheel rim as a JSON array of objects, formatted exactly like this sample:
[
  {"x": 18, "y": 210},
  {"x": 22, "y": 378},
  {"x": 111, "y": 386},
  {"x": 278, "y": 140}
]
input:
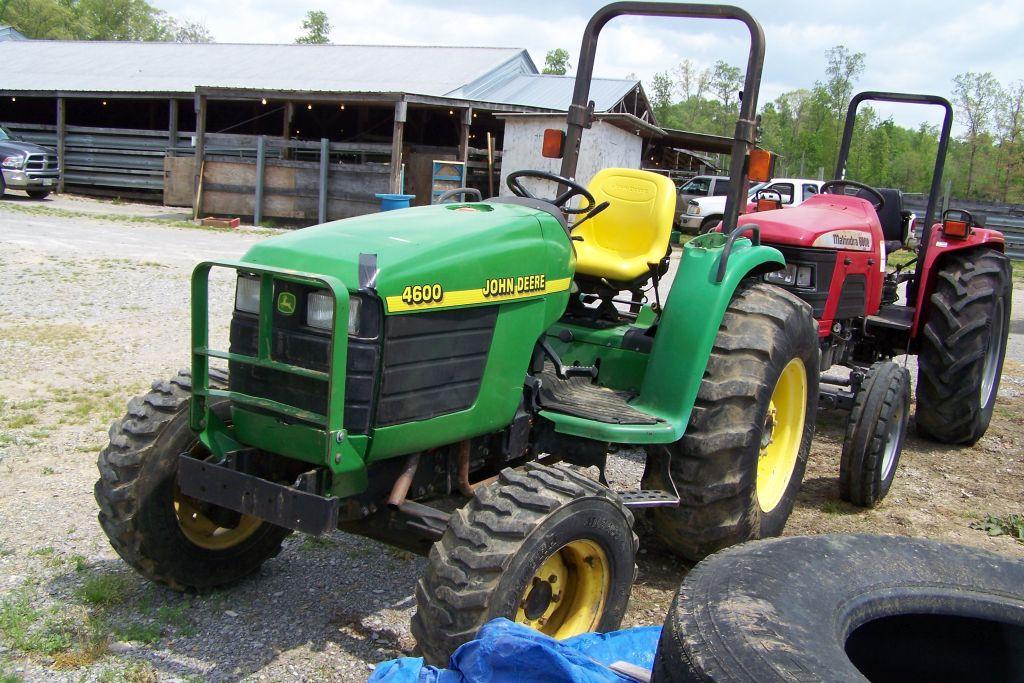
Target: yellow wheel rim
[
  {"x": 204, "y": 532},
  {"x": 567, "y": 594},
  {"x": 783, "y": 431}
]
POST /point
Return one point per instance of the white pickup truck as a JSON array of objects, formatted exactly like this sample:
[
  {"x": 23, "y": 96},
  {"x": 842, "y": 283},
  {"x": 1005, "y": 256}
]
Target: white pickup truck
[{"x": 704, "y": 213}]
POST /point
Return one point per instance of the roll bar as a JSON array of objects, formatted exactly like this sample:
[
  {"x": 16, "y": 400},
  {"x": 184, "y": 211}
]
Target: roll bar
[
  {"x": 581, "y": 111},
  {"x": 940, "y": 156}
]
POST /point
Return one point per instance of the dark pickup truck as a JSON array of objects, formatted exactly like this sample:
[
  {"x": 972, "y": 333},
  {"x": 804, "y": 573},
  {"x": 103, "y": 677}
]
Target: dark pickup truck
[{"x": 27, "y": 166}]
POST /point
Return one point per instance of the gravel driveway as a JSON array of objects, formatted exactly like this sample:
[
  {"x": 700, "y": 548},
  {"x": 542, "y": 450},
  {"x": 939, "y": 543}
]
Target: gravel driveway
[{"x": 93, "y": 307}]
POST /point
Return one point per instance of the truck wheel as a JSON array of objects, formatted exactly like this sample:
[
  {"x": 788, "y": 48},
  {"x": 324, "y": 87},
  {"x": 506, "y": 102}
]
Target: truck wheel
[
  {"x": 3, "y": 186},
  {"x": 38, "y": 194},
  {"x": 846, "y": 608},
  {"x": 543, "y": 546},
  {"x": 874, "y": 434},
  {"x": 740, "y": 463},
  {"x": 708, "y": 224},
  {"x": 962, "y": 347},
  {"x": 166, "y": 536}
]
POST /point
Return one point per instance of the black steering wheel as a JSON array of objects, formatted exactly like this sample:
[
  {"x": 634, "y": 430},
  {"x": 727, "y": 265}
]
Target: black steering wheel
[
  {"x": 827, "y": 188},
  {"x": 575, "y": 189}
]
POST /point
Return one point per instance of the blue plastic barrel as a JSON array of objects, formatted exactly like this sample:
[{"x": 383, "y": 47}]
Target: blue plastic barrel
[{"x": 390, "y": 202}]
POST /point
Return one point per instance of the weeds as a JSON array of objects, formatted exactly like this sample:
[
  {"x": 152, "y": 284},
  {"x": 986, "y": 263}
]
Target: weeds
[
  {"x": 1006, "y": 525},
  {"x": 103, "y": 589},
  {"x": 837, "y": 507}
]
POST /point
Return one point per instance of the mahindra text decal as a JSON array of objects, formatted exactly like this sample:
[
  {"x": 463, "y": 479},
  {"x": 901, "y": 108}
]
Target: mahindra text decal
[{"x": 854, "y": 240}]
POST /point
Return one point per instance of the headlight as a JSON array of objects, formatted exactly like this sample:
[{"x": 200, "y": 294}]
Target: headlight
[
  {"x": 792, "y": 274},
  {"x": 15, "y": 161},
  {"x": 247, "y": 294},
  {"x": 320, "y": 311},
  {"x": 693, "y": 208}
]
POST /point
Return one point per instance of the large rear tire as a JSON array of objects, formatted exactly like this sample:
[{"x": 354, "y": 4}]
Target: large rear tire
[
  {"x": 166, "y": 536},
  {"x": 846, "y": 608},
  {"x": 740, "y": 463},
  {"x": 543, "y": 546},
  {"x": 963, "y": 344}
]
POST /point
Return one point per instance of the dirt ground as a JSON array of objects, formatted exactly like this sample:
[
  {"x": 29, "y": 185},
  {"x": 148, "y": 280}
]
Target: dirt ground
[{"x": 94, "y": 305}]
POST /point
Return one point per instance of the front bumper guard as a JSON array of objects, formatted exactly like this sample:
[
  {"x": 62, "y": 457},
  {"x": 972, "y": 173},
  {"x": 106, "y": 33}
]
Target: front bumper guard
[{"x": 285, "y": 506}]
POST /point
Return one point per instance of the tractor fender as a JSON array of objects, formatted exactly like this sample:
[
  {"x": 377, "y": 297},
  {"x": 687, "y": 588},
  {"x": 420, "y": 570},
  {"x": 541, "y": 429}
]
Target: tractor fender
[
  {"x": 939, "y": 247},
  {"x": 689, "y": 325}
]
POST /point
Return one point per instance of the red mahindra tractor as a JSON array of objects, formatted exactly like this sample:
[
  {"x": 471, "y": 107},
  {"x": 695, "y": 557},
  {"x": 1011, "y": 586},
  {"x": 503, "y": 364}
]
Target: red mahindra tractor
[{"x": 954, "y": 315}]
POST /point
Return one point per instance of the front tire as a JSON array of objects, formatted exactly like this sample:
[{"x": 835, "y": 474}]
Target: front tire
[
  {"x": 543, "y": 546},
  {"x": 874, "y": 434},
  {"x": 708, "y": 224},
  {"x": 740, "y": 463},
  {"x": 963, "y": 344},
  {"x": 166, "y": 536}
]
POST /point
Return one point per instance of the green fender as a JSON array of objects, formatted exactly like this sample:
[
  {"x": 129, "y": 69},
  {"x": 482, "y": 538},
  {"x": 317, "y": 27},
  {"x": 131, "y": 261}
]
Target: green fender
[{"x": 682, "y": 346}]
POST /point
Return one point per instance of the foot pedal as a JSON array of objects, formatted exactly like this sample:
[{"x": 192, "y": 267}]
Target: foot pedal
[{"x": 648, "y": 499}]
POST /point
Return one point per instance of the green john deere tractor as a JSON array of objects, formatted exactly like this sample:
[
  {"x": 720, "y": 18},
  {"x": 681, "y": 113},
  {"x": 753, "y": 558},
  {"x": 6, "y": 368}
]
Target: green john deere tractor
[{"x": 461, "y": 350}]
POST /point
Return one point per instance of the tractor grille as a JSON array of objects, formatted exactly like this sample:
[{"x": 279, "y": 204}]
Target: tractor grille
[
  {"x": 424, "y": 364},
  {"x": 824, "y": 262}
]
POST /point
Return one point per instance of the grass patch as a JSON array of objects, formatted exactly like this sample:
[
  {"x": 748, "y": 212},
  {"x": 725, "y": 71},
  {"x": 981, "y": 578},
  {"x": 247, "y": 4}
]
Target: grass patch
[
  {"x": 103, "y": 589},
  {"x": 138, "y": 633},
  {"x": 317, "y": 542},
  {"x": 30, "y": 630},
  {"x": 1005, "y": 525},
  {"x": 48, "y": 471},
  {"x": 838, "y": 507},
  {"x": 19, "y": 420},
  {"x": 101, "y": 404},
  {"x": 9, "y": 676}
]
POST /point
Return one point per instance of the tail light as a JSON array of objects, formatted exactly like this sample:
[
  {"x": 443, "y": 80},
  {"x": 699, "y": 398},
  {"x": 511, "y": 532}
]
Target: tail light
[{"x": 957, "y": 223}]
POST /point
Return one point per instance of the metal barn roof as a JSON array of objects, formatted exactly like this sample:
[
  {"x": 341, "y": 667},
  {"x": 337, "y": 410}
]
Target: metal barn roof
[
  {"x": 177, "y": 68},
  {"x": 548, "y": 92}
]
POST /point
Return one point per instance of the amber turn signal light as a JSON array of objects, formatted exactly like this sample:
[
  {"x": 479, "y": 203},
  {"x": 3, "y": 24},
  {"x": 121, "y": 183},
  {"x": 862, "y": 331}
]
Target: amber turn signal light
[
  {"x": 554, "y": 143},
  {"x": 760, "y": 165}
]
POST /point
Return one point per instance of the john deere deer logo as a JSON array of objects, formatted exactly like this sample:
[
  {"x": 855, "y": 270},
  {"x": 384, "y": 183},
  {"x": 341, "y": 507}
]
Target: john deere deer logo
[{"x": 286, "y": 303}]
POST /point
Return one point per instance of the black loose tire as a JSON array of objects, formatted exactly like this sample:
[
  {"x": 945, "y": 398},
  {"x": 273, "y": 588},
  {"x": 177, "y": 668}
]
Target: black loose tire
[
  {"x": 874, "y": 434},
  {"x": 846, "y": 608},
  {"x": 493, "y": 546},
  {"x": 136, "y": 493},
  {"x": 3, "y": 186},
  {"x": 962, "y": 347},
  {"x": 38, "y": 194},
  {"x": 714, "y": 465}
]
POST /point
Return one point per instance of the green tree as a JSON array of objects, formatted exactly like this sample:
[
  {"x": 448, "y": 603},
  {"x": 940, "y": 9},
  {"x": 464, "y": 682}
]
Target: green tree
[
  {"x": 1010, "y": 126},
  {"x": 98, "y": 20},
  {"x": 556, "y": 62},
  {"x": 975, "y": 97},
  {"x": 662, "y": 88},
  {"x": 317, "y": 28}
]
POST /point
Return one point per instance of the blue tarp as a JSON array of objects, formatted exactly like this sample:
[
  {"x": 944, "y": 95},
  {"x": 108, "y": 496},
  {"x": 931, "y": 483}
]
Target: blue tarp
[{"x": 505, "y": 651}]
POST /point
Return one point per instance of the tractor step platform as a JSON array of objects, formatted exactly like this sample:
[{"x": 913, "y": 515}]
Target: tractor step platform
[
  {"x": 648, "y": 499},
  {"x": 580, "y": 397},
  {"x": 892, "y": 317}
]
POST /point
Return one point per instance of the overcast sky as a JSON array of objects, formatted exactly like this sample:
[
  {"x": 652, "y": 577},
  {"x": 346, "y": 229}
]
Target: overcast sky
[{"x": 912, "y": 46}]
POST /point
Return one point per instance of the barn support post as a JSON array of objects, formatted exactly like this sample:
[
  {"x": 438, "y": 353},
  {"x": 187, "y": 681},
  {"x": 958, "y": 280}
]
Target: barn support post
[
  {"x": 467, "y": 121},
  {"x": 325, "y": 162},
  {"x": 61, "y": 133},
  {"x": 286, "y": 132},
  {"x": 261, "y": 163},
  {"x": 401, "y": 111},
  {"x": 172, "y": 126},
  {"x": 197, "y": 171}
]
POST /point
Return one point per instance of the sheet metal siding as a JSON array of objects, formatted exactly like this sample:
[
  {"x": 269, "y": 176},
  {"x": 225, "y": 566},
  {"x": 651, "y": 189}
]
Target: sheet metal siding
[
  {"x": 81, "y": 66},
  {"x": 1006, "y": 218}
]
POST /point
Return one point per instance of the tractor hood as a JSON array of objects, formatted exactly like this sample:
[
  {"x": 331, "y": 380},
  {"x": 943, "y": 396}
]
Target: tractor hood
[
  {"x": 463, "y": 254},
  {"x": 824, "y": 221}
]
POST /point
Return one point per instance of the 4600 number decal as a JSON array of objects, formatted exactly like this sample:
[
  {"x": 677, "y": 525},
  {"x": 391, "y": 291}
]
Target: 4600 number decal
[{"x": 422, "y": 294}]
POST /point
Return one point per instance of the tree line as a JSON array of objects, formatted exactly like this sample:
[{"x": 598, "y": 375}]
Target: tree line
[
  {"x": 804, "y": 127},
  {"x": 98, "y": 20}
]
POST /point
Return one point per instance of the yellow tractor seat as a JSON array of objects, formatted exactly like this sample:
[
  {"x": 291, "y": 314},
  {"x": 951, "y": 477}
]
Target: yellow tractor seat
[{"x": 624, "y": 241}]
